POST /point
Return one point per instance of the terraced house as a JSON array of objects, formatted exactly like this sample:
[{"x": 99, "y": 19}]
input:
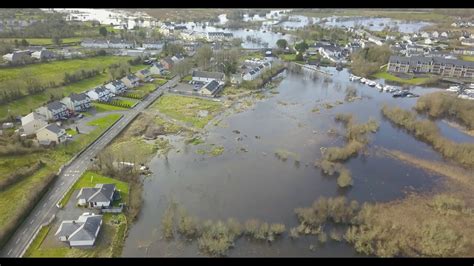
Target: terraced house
[
  {"x": 54, "y": 111},
  {"x": 117, "y": 87},
  {"x": 100, "y": 93},
  {"x": 435, "y": 65},
  {"x": 77, "y": 102}
]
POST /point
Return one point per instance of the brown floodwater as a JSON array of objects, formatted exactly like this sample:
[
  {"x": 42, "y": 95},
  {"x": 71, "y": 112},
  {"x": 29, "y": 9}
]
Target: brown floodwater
[{"x": 256, "y": 184}]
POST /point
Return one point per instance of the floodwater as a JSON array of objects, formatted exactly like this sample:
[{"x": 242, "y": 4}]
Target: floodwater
[
  {"x": 256, "y": 184},
  {"x": 376, "y": 24}
]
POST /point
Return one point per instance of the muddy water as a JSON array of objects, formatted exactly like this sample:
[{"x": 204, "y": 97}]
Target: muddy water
[{"x": 255, "y": 184}]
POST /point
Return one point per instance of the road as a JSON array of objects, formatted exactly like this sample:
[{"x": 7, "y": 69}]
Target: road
[{"x": 46, "y": 207}]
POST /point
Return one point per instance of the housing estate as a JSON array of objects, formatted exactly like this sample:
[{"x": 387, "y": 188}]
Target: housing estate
[{"x": 435, "y": 65}]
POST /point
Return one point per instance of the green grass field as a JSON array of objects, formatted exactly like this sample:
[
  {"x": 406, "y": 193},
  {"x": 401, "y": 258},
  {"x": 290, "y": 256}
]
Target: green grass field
[
  {"x": 54, "y": 71},
  {"x": 41, "y": 41},
  {"x": 99, "y": 107},
  {"x": 390, "y": 77},
  {"x": 25, "y": 105},
  {"x": 186, "y": 109},
  {"x": 90, "y": 179},
  {"x": 468, "y": 58}
]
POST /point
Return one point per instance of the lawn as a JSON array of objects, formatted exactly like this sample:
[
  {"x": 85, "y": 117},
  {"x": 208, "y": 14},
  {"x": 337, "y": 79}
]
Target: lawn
[
  {"x": 42, "y": 41},
  {"x": 186, "y": 109},
  {"x": 146, "y": 88},
  {"x": 108, "y": 244},
  {"x": 187, "y": 78},
  {"x": 413, "y": 81},
  {"x": 130, "y": 102},
  {"x": 90, "y": 179},
  {"x": 71, "y": 131},
  {"x": 100, "y": 107},
  {"x": 468, "y": 58},
  {"x": 54, "y": 71},
  {"x": 290, "y": 57},
  {"x": 25, "y": 105},
  {"x": 160, "y": 82}
]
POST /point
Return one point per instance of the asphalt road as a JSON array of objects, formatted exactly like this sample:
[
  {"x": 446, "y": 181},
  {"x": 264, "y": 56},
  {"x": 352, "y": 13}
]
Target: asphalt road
[{"x": 46, "y": 207}]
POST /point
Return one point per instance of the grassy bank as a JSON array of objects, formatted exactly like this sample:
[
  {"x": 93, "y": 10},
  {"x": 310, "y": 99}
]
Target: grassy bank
[
  {"x": 186, "y": 109},
  {"x": 412, "y": 81},
  {"x": 90, "y": 179}
]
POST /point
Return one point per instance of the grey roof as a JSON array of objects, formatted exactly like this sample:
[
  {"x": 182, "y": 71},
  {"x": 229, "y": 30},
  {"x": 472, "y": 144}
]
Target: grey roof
[
  {"x": 212, "y": 86},
  {"x": 53, "y": 128},
  {"x": 100, "y": 89},
  {"x": 132, "y": 77},
  {"x": 56, "y": 105},
  {"x": 78, "y": 97},
  {"x": 145, "y": 72},
  {"x": 81, "y": 229},
  {"x": 118, "y": 83},
  {"x": 206, "y": 74},
  {"x": 99, "y": 193},
  {"x": 436, "y": 60}
]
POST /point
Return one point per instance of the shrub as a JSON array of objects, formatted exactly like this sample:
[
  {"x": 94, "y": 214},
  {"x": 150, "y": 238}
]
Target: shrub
[{"x": 344, "y": 179}]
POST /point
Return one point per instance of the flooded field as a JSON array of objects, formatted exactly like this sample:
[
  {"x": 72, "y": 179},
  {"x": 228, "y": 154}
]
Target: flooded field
[{"x": 249, "y": 181}]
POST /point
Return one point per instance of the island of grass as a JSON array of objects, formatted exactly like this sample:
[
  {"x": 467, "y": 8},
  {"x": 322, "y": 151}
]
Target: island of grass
[
  {"x": 412, "y": 81},
  {"x": 188, "y": 109},
  {"x": 18, "y": 198}
]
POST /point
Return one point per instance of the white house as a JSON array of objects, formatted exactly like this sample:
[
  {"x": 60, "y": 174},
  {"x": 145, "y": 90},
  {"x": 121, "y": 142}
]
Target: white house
[
  {"x": 120, "y": 44},
  {"x": 152, "y": 45},
  {"x": 32, "y": 123},
  {"x": 54, "y": 111},
  {"x": 77, "y": 102},
  {"x": 468, "y": 42},
  {"x": 95, "y": 44},
  {"x": 255, "y": 72},
  {"x": 156, "y": 69},
  {"x": 43, "y": 54},
  {"x": 100, "y": 93},
  {"x": 116, "y": 87},
  {"x": 51, "y": 133},
  {"x": 435, "y": 34},
  {"x": 131, "y": 81},
  {"x": 17, "y": 56},
  {"x": 205, "y": 76},
  {"x": 144, "y": 75},
  {"x": 100, "y": 196},
  {"x": 177, "y": 58},
  {"x": 81, "y": 232}
]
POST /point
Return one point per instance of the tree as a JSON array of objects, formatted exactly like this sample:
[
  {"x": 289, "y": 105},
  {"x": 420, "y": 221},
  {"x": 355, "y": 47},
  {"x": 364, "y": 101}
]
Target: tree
[
  {"x": 24, "y": 43},
  {"x": 57, "y": 40},
  {"x": 103, "y": 31},
  {"x": 203, "y": 56},
  {"x": 282, "y": 43},
  {"x": 227, "y": 61},
  {"x": 237, "y": 42},
  {"x": 182, "y": 68},
  {"x": 301, "y": 47}
]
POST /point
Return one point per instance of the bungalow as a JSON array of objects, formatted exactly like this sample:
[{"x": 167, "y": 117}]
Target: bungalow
[
  {"x": 156, "y": 69},
  {"x": 32, "y": 123},
  {"x": 211, "y": 88},
  {"x": 77, "y": 102},
  {"x": 144, "y": 75},
  {"x": 17, "y": 56},
  {"x": 100, "y": 196},
  {"x": 43, "y": 54},
  {"x": 81, "y": 232},
  {"x": 54, "y": 111},
  {"x": 100, "y": 93},
  {"x": 205, "y": 76},
  {"x": 51, "y": 133},
  {"x": 116, "y": 87},
  {"x": 167, "y": 63},
  {"x": 131, "y": 81}
]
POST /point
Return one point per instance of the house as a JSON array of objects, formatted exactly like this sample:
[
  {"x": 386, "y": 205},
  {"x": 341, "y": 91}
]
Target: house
[
  {"x": 156, "y": 69},
  {"x": 167, "y": 63},
  {"x": 468, "y": 42},
  {"x": 435, "y": 34},
  {"x": 116, "y": 87},
  {"x": 219, "y": 36},
  {"x": 100, "y": 93},
  {"x": 81, "y": 232},
  {"x": 152, "y": 45},
  {"x": 43, "y": 54},
  {"x": 51, "y": 133},
  {"x": 100, "y": 196},
  {"x": 98, "y": 44},
  {"x": 211, "y": 88},
  {"x": 32, "y": 123},
  {"x": 54, "y": 111},
  {"x": 131, "y": 81},
  {"x": 425, "y": 35},
  {"x": 236, "y": 78},
  {"x": 144, "y": 75},
  {"x": 120, "y": 44},
  {"x": 375, "y": 40},
  {"x": 436, "y": 65},
  {"x": 77, "y": 102},
  {"x": 177, "y": 58},
  {"x": 17, "y": 56},
  {"x": 205, "y": 76}
]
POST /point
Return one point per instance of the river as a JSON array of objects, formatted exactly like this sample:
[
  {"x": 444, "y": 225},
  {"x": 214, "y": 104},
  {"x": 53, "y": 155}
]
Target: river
[{"x": 255, "y": 184}]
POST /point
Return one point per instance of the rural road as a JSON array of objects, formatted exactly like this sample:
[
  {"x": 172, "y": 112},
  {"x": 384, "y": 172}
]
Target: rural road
[{"x": 46, "y": 207}]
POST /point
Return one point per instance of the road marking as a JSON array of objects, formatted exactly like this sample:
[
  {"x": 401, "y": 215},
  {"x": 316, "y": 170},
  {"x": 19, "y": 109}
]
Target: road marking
[
  {"x": 32, "y": 221},
  {"x": 10, "y": 251},
  {"x": 62, "y": 183},
  {"x": 18, "y": 240}
]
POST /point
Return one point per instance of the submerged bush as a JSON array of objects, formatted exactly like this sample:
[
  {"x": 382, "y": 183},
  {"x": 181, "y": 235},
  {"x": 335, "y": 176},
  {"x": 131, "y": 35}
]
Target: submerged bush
[{"x": 344, "y": 179}]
